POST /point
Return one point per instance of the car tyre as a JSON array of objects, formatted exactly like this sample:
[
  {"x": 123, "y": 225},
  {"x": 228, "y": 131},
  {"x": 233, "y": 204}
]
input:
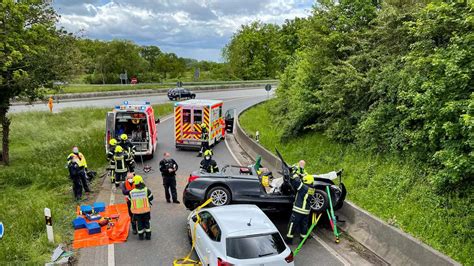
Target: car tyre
[
  {"x": 193, "y": 96},
  {"x": 342, "y": 197},
  {"x": 319, "y": 201},
  {"x": 220, "y": 196}
]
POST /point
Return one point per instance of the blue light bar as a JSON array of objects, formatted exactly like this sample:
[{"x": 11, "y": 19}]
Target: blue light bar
[
  {"x": 147, "y": 102},
  {"x": 125, "y": 102},
  {"x": 143, "y": 107},
  {"x": 117, "y": 107}
]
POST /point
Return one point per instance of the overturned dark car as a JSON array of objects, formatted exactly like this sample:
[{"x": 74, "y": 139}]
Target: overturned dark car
[{"x": 242, "y": 184}]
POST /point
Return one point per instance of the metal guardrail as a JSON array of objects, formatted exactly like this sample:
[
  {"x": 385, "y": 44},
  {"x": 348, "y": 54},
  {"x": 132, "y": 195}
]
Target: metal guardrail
[{"x": 390, "y": 243}]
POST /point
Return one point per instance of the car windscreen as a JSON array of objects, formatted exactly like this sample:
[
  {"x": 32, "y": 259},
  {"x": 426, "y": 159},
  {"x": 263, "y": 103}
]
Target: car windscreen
[{"x": 255, "y": 246}]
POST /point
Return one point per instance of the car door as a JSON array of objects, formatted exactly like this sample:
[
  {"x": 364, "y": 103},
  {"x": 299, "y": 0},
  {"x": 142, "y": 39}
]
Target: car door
[
  {"x": 229, "y": 120},
  {"x": 186, "y": 93},
  {"x": 209, "y": 240}
]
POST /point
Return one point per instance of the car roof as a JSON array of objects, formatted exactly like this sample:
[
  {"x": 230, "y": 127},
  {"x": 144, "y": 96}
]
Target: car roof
[{"x": 233, "y": 220}]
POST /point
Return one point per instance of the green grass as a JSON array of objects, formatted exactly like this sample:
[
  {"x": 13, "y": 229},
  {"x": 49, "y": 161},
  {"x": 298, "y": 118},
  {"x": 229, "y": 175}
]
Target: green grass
[
  {"x": 83, "y": 88},
  {"x": 37, "y": 178},
  {"x": 394, "y": 189}
]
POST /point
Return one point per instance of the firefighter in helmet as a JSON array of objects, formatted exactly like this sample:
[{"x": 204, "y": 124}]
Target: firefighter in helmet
[
  {"x": 120, "y": 162},
  {"x": 301, "y": 206},
  {"x": 110, "y": 157},
  {"x": 204, "y": 139},
  {"x": 129, "y": 148},
  {"x": 208, "y": 164},
  {"x": 140, "y": 205}
]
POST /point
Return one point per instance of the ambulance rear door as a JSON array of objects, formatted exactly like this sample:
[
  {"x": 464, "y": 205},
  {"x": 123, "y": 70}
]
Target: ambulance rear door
[
  {"x": 109, "y": 129},
  {"x": 181, "y": 114}
]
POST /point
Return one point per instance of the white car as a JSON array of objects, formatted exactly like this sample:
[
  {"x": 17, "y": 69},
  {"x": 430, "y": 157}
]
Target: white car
[{"x": 238, "y": 235}]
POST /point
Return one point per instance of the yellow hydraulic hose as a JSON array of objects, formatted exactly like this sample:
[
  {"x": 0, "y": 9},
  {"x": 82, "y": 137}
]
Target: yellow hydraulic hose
[{"x": 187, "y": 261}]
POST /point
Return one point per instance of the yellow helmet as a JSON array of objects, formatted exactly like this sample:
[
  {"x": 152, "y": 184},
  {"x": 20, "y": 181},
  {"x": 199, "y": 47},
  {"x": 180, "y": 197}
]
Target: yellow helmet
[
  {"x": 308, "y": 179},
  {"x": 138, "y": 179},
  {"x": 113, "y": 142},
  {"x": 118, "y": 149},
  {"x": 124, "y": 136},
  {"x": 203, "y": 125},
  {"x": 208, "y": 153}
]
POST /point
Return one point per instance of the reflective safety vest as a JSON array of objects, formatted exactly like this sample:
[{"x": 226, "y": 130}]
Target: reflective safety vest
[
  {"x": 120, "y": 166},
  {"x": 78, "y": 158},
  {"x": 139, "y": 202}
]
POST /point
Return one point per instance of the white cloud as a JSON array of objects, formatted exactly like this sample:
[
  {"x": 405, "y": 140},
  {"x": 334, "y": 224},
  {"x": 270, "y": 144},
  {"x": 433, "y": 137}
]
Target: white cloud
[{"x": 190, "y": 28}]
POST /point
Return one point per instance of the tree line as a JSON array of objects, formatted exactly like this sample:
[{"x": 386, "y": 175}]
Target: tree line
[
  {"x": 389, "y": 76},
  {"x": 103, "y": 61}
]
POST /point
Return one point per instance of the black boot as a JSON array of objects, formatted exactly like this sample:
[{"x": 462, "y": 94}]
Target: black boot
[
  {"x": 147, "y": 235},
  {"x": 141, "y": 236},
  {"x": 289, "y": 241}
]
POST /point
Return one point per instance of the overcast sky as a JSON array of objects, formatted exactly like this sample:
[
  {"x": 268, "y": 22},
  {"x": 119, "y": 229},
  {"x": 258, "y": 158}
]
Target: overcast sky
[{"x": 190, "y": 28}]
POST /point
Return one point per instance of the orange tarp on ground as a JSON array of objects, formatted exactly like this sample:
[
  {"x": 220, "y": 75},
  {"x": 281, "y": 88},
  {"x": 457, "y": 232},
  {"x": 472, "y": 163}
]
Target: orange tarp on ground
[{"x": 116, "y": 234}]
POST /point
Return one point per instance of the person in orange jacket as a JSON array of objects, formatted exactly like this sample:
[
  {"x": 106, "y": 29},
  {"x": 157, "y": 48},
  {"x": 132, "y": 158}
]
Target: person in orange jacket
[
  {"x": 128, "y": 186},
  {"x": 50, "y": 104}
]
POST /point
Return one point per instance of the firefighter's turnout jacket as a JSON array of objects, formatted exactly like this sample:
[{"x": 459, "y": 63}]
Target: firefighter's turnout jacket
[{"x": 303, "y": 195}]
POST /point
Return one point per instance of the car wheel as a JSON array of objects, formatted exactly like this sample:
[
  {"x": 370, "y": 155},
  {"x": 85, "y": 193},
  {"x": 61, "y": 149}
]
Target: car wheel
[
  {"x": 340, "y": 196},
  {"x": 220, "y": 196},
  {"x": 193, "y": 96},
  {"x": 319, "y": 201}
]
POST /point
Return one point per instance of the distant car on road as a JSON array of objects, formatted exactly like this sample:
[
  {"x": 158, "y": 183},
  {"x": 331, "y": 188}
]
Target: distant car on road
[
  {"x": 180, "y": 93},
  {"x": 237, "y": 235},
  {"x": 243, "y": 185}
]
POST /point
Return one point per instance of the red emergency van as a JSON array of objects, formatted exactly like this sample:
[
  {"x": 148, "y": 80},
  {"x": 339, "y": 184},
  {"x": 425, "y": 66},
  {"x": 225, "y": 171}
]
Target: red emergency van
[{"x": 138, "y": 122}]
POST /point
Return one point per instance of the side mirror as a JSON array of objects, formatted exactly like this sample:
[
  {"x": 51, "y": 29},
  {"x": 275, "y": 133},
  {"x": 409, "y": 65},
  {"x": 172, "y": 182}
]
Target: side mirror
[
  {"x": 157, "y": 121},
  {"x": 194, "y": 218}
]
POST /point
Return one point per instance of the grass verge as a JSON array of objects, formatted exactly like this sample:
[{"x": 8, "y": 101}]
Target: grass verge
[
  {"x": 392, "y": 188},
  {"x": 37, "y": 178},
  {"x": 84, "y": 88}
]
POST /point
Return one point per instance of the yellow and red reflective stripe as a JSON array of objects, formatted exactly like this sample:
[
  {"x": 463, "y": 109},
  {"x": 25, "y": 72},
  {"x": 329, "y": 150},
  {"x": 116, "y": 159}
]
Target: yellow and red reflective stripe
[
  {"x": 197, "y": 128},
  {"x": 177, "y": 122},
  {"x": 206, "y": 116}
]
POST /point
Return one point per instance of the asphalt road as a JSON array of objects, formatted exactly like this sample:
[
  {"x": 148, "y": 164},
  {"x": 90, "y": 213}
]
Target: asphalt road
[
  {"x": 154, "y": 99},
  {"x": 168, "y": 223}
]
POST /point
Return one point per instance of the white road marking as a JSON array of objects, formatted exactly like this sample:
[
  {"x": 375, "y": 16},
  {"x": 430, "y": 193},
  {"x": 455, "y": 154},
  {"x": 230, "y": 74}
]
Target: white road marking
[
  {"x": 232, "y": 153},
  {"x": 111, "y": 247}
]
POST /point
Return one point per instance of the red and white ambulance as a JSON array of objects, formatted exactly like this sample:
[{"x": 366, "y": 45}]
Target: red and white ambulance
[
  {"x": 137, "y": 120},
  {"x": 188, "y": 117}
]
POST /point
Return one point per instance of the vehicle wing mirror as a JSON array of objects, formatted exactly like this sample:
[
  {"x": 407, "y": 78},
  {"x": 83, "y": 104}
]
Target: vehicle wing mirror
[{"x": 157, "y": 121}]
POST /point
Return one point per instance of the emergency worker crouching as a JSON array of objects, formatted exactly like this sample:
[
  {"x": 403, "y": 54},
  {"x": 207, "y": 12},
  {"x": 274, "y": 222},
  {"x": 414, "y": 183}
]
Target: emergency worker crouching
[
  {"x": 140, "y": 205},
  {"x": 208, "y": 164}
]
